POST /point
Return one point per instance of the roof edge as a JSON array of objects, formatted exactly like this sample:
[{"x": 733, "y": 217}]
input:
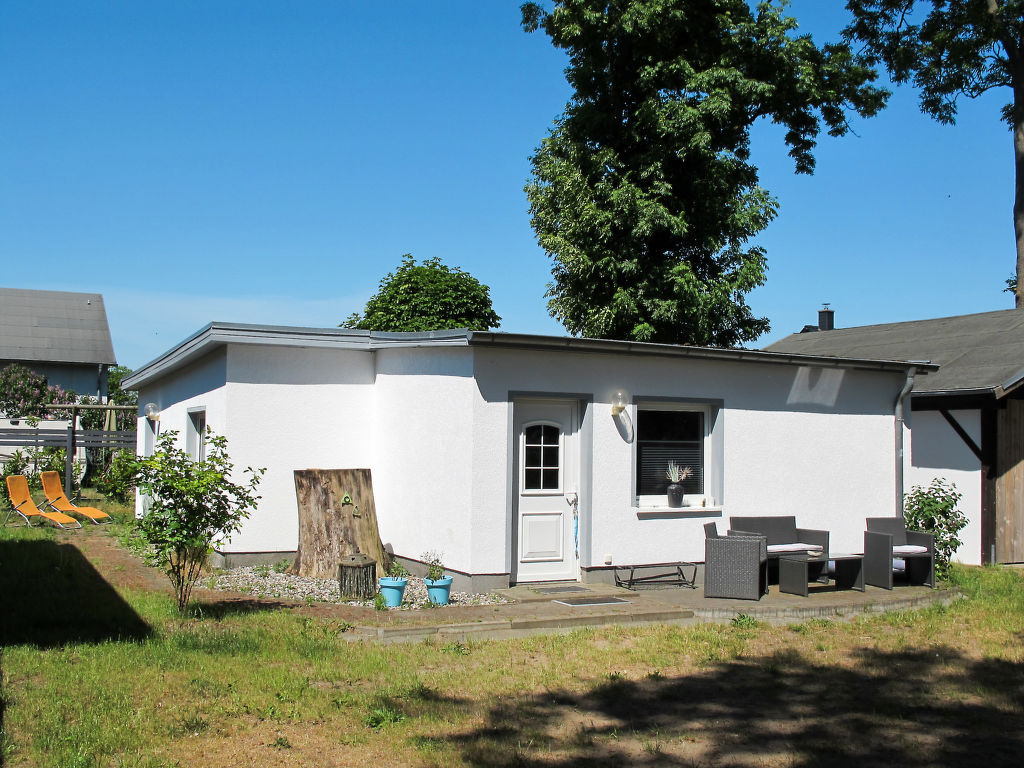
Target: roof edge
[{"x": 217, "y": 334}]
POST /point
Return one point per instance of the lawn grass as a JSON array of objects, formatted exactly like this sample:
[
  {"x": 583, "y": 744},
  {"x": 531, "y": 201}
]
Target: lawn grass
[{"x": 122, "y": 680}]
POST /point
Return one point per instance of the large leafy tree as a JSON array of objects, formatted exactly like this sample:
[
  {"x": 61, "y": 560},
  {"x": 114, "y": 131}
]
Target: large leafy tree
[
  {"x": 951, "y": 49},
  {"x": 427, "y": 297},
  {"x": 644, "y": 193}
]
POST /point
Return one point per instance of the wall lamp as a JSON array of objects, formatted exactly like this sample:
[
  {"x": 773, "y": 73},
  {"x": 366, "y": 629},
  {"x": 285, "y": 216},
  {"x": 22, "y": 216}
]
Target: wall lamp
[
  {"x": 152, "y": 411},
  {"x": 619, "y": 402},
  {"x": 622, "y": 421}
]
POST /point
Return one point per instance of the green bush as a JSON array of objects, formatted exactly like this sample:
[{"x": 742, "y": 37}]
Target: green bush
[
  {"x": 117, "y": 481},
  {"x": 191, "y": 504},
  {"x": 934, "y": 510}
]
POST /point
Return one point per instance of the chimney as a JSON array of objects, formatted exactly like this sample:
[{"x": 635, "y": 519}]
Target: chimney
[{"x": 826, "y": 318}]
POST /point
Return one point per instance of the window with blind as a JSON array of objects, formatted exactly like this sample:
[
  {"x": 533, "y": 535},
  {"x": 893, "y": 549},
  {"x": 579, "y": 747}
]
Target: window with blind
[{"x": 666, "y": 435}]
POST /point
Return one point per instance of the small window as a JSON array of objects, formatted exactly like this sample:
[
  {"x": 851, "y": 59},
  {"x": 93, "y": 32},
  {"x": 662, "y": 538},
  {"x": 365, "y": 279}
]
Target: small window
[
  {"x": 195, "y": 438},
  {"x": 541, "y": 458},
  {"x": 670, "y": 434}
]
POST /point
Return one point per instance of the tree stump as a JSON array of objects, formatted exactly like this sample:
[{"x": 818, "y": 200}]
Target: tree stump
[
  {"x": 337, "y": 518},
  {"x": 357, "y": 577}
]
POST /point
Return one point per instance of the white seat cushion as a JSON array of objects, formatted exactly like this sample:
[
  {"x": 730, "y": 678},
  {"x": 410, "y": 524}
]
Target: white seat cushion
[
  {"x": 909, "y": 549},
  {"x": 798, "y": 547}
]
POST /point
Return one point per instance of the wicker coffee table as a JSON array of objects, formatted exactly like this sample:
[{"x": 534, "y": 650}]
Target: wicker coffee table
[{"x": 793, "y": 572}]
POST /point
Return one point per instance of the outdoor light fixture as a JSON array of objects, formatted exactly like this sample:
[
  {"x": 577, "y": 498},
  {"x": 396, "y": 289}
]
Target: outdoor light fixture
[
  {"x": 152, "y": 411},
  {"x": 619, "y": 402},
  {"x": 622, "y": 421}
]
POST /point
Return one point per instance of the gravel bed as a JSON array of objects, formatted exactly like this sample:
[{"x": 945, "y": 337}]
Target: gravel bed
[{"x": 263, "y": 581}]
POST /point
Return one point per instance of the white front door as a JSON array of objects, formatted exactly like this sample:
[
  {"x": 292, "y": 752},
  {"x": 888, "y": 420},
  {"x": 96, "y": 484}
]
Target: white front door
[{"x": 547, "y": 467}]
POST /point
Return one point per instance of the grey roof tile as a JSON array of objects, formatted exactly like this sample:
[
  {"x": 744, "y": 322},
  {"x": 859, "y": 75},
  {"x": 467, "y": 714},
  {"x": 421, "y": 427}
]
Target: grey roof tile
[
  {"x": 54, "y": 326},
  {"x": 981, "y": 351}
]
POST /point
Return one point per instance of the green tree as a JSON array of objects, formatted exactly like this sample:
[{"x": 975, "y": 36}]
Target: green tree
[
  {"x": 427, "y": 297},
  {"x": 643, "y": 193},
  {"x": 953, "y": 49},
  {"x": 191, "y": 504},
  {"x": 24, "y": 393}
]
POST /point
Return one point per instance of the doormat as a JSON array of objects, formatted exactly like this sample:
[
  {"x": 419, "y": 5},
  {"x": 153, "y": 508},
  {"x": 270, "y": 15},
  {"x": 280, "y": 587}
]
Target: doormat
[
  {"x": 558, "y": 590},
  {"x": 579, "y": 602}
]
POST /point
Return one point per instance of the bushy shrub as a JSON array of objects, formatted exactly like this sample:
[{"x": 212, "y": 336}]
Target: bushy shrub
[
  {"x": 117, "y": 481},
  {"x": 934, "y": 510},
  {"x": 191, "y": 504}
]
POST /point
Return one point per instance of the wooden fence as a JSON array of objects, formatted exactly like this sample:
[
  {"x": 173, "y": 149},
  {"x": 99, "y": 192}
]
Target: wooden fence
[{"x": 70, "y": 440}]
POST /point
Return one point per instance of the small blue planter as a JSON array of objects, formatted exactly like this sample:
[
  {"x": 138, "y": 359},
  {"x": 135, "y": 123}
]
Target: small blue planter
[
  {"x": 438, "y": 590},
  {"x": 393, "y": 589}
]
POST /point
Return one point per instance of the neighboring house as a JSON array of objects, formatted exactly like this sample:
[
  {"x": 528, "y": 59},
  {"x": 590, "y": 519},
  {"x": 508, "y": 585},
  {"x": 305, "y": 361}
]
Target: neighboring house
[
  {"x": 485, "y": 446},
  {"x": 967, "y": 420},
  {"x": 63, "y": 336}
]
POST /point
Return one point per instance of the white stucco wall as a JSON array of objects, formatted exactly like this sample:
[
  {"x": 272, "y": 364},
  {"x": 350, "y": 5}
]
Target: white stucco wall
[
  {"x": 936, "y": 450},
  {"x": 814, "y": 443},
  {"x": 424, "y": 459},
  {"x": 199, "y": 384},
  {"x": 292, "y": 409},
  {"x": 433, "y": 425}
]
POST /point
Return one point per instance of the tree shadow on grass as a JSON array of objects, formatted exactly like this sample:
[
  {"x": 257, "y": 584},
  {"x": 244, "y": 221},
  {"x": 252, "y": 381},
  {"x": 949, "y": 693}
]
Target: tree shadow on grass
[
  {"x": 51, "y": 595},
  {"x": 222, "y": 609},
  {"x": 930, "y": 707}
]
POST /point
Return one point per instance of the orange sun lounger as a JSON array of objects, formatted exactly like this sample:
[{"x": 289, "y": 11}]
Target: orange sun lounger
[
  {"x": 58, "y": 501},
  {"x": 21, "y": 502}
]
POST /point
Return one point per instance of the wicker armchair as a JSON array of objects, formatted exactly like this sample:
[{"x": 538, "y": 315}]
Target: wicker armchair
[
  {"x": 735, "y": 566},
  {"x": 887, "y": 538}
]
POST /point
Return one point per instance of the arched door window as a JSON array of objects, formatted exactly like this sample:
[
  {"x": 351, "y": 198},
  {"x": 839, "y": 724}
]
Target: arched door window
[{"x": 542, "y": 457}]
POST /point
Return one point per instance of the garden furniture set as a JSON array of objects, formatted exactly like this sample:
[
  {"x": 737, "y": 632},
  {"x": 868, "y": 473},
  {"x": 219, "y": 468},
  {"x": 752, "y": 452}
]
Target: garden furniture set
[{"x": 757, "y": 550}]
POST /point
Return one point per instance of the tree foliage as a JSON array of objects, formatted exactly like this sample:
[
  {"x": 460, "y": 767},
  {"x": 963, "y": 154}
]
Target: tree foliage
[
  {"x": 427, "y": 297},
  {"x": 951, "y": 49},
  {"x": 643, "y": 193},
  {"x": 191, "y": 504},
  {"x": 24, "y": 393},
  {"x": 934, "y": 510}
]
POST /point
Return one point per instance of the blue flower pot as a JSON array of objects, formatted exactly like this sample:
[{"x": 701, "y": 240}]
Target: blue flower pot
[
  {"x": 438, "y": 590},
  {"x": 393, "y": 589}
]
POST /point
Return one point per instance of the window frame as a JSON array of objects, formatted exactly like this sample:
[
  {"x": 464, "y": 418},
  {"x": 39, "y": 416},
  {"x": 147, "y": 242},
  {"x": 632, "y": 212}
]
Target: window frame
[
  {"x": 195, "y": 438},
  {"x": 660, "y": 501},
  {"x": 560, "y": 490}
]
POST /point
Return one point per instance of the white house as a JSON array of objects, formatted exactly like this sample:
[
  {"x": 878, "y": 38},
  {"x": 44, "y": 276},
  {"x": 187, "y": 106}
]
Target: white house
[
  {"x": 966, "y": 421},
  {"x": 507, "y": 452}
]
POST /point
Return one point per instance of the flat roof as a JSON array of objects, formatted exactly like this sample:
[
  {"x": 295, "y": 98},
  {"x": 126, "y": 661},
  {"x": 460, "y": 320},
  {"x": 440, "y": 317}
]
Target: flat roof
[{"x": 219, "y": 334}]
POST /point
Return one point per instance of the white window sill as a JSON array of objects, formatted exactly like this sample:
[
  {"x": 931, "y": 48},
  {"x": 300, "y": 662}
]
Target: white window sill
[{"x": 676, "y": 512}]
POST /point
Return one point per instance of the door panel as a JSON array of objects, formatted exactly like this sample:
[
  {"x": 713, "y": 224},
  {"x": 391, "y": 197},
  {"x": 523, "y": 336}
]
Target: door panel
[{"x": 546, "y": 451}]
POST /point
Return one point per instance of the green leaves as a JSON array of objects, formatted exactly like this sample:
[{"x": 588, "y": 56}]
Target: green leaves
[
  {"x": 191, "y": 503},
  {"x": 934, "y": 510},
  {"x": 643, "y": 193},
  {"x": 427, "y": 297}
]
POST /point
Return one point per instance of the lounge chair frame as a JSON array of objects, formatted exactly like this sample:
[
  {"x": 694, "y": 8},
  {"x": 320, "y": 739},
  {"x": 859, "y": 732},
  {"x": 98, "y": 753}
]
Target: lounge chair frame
[
  {"x": 59, "y": 519},
  {"x": 58, "y": 501}
]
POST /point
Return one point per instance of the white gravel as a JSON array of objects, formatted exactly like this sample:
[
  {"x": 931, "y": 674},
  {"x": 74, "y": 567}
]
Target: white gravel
[{"x": 264, "y": 581}]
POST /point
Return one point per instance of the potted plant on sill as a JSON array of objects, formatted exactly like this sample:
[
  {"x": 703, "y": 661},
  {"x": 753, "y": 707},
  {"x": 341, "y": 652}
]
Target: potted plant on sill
[
  {"x": 438, "y": 585},
  {"x": 676, "y": 474},
  {"x": 392, "y": 586}
]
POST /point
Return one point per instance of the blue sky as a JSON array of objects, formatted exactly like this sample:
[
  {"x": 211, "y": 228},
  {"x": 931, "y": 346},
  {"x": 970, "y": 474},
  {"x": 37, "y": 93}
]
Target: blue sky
[{"x": 270, "y": 161}]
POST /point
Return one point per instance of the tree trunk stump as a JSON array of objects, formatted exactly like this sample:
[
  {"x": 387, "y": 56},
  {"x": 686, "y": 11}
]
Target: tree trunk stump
[
  {"x": 357, "y": 577},
  {"x": 337, "y": 518}
]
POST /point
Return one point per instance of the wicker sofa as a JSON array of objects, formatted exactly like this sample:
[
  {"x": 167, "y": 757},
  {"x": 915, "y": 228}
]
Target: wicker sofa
[{"x": 785, "y": 538}]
